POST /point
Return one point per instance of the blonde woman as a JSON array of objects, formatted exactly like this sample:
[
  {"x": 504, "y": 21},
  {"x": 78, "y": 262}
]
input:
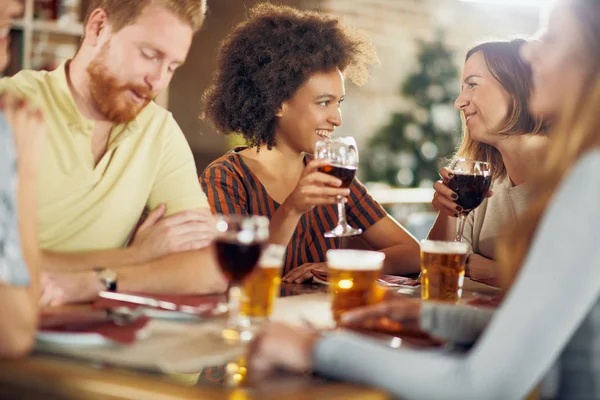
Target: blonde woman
[
  {"x": 549, "y": 324},
  {"x": 499, "y": 129}
]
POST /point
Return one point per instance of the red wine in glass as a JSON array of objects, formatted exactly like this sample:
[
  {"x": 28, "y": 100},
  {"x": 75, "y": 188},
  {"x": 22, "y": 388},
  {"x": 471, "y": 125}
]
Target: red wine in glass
[
  {"x": 237, "y": 260},
  {"x": 471, "y": 182},
  {"x": 471, "y": 189},
  {"x": 345, "y": 173}
]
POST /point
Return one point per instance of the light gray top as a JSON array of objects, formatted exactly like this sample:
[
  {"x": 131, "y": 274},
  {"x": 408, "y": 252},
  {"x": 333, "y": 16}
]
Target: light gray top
[
  {"x": 13, "y": 270},
  {"x": 484, "y": 223},
  {"x": 550, "y": 317}
]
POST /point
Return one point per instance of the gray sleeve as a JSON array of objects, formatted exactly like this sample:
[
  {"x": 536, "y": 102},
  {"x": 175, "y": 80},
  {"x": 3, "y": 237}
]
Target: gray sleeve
[
  {"x": 557, "y": 286},
  {"x": 13, "y": 270},
  {"x": 455, "y": 324}
]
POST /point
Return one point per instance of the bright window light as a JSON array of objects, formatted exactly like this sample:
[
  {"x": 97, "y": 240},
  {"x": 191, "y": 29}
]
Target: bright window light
[{"x": 524, "y": 3}]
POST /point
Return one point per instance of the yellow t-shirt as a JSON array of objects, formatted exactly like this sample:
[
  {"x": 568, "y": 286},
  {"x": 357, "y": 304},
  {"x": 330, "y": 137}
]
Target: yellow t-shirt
[{"x": 85, "y": 207}]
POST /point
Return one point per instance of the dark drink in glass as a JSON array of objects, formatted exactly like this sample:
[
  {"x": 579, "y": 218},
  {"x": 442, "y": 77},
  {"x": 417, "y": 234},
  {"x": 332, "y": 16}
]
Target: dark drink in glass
[
  {"x": 345, "y": 173},
  {"x": 237, "y": 260},
  {"x": 238, "y": 245},
  {"x": 471, "y": 182},
  {"x": 471, "y": 189},
  {"x": 342, "y": 158}
]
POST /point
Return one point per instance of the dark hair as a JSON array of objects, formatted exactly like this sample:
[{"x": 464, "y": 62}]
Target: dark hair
[
  {"x": 265, "y": 59},
  {"x": 504, "y": 62}
]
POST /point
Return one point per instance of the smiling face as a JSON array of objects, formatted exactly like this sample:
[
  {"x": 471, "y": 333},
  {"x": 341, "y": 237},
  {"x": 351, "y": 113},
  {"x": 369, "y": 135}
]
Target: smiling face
[
  {"x": 9, "y": 9},
  {"x": 132, "y": 66},
  {"x": 483, "y": 101},
  {"x": 312, "y": 113},
  {"x": 559, "y": 62}
]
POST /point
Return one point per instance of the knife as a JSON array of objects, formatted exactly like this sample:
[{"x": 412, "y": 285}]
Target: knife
[{"x": 155, "y": 303}]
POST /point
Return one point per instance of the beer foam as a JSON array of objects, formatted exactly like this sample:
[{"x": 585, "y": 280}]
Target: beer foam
[
  {"x": 358, "y": 260},
  {"x": 435, "y": 246},
  {"x": 272, "y": 256}
]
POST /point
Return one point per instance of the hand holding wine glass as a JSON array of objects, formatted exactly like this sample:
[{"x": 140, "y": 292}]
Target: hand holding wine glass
[
  {"x": 444, "y": 198},
  {"x": 468, "y": 184},
  {"x": 343, "y": 155},
  {"x": 314, "y": 188}
]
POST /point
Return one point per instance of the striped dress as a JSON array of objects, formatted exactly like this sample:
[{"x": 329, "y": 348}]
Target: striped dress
[{"x": 232, "y": 188}]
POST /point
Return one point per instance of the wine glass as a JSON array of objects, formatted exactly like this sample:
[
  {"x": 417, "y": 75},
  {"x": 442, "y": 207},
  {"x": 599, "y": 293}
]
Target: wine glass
[
  {"x": 343, "y": 154},
  {"x": 239, "y": 243},
  {"x": 471, "y": 182}
]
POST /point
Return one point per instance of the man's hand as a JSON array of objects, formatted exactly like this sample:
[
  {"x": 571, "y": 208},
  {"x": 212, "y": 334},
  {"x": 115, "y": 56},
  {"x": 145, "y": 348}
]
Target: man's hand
[
  {"x": 159, "y": 236},
  {"x": 60, "y": 288},
  {"x": 303, "y": 273}
]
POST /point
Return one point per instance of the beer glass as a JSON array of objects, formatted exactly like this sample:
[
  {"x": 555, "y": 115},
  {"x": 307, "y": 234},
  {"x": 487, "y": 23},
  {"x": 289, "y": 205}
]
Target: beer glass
[
  {"x": 442, "y": 269},
  {"x": 261, "y": 288},
  {"x": 343, "y": 153},
  {"x": 471, "y": 182},
  {"x": 352, "y": 278},
  {"x": 239, "y": 245}
]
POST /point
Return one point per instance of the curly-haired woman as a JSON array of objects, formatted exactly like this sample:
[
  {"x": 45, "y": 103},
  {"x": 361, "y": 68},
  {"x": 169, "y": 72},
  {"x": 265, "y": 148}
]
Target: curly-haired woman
[{"x": 280, "y": 83}]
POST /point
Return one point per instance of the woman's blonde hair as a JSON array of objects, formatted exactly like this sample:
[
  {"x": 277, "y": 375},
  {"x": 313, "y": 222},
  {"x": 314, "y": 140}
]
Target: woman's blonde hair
[
  {"x": 576, "y": 131},
  {"x": 504, "y": 62}
]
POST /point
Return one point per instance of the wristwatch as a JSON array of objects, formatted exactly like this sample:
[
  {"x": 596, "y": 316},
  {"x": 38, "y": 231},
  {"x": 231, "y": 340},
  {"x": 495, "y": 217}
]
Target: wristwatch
[{"x": 108, "y": 277}]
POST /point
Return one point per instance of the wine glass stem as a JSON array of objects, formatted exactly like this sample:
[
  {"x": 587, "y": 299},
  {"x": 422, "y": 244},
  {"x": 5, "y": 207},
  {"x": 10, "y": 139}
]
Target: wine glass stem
[
  {"x": 341, "y": 206},
  {"x": 235, "y": 297},
  {"x": 461, "y": 226}
]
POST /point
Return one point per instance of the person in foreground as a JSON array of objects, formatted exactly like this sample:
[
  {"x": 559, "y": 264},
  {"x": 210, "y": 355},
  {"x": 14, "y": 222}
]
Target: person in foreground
[
  {"x": 280, "y": 84},
  {"x": 549, "y": 323},
  {"x": 499, "y": 129},
  {"x": 21, "y": 129},
  {"x": 112, "y": 153}
]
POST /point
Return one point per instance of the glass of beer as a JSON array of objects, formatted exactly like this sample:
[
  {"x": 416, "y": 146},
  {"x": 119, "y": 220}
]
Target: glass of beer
[
  {"x": 343, "y": 153},
  {"x": 261, "y": 288},
  {"x": 352, "y": 278},
  {"x": 471, "y": 182},
  {"x": 239, "y": 244},
  {"x": 442, "y": 269}
]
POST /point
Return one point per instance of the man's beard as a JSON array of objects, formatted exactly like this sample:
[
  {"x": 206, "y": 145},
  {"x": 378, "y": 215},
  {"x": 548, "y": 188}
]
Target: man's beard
[{"x": 111, "y": 97}]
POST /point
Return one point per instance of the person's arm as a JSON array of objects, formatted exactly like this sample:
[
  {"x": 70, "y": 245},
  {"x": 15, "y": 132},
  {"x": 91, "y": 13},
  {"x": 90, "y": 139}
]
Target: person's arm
[
  {"x": 382, "y": 232},
  {"x": 19, "y": 249},
  {"x": 527, "y": 333},
  {"x": 455, "y": 324},
  {"x": 483, "y": 269},
  {"x": 195, "y": 272},
  {"x": 444, "y": 228},
  {"x": 402, "y": 251},
  {"x": 19, "y": 321}
]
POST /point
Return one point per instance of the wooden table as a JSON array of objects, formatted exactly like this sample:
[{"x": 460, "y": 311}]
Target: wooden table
[{"x": 50, "y": 377}]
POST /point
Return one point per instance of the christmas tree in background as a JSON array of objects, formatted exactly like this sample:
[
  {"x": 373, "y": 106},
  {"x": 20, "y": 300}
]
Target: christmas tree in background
[{"x": 410, "y": 149}]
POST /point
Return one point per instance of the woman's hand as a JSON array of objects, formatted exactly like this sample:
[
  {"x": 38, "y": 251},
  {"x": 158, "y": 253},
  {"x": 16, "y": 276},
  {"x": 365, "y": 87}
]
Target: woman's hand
[
  {"x": 403, "y": 310},
  {"x": 314, "y": 188},
  {"x": 303, "y": 273},
  {"x": 444, "y": 198}
]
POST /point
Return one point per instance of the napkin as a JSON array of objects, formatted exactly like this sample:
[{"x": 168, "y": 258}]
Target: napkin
[
  {"x": 92, "y": 322},
  {"x": 386, "y": 279}
]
